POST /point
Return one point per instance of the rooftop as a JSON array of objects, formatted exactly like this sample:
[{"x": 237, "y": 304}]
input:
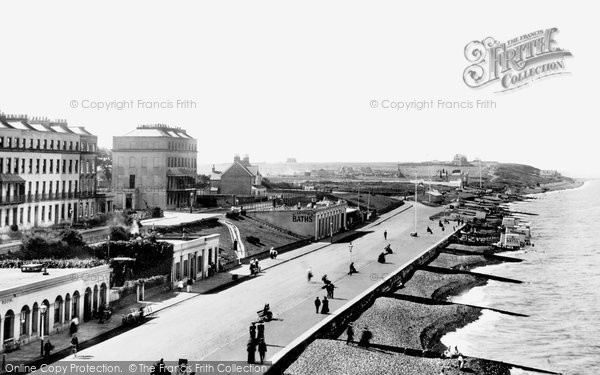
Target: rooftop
[
  {"x": 39, "y": 124},
  {"x": 158, "y": 130},
  {"x": 13, "y": 277}
]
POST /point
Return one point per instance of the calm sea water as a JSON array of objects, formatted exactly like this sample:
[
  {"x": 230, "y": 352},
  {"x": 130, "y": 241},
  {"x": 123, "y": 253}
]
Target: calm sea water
[{"x": 560, "y": 293}]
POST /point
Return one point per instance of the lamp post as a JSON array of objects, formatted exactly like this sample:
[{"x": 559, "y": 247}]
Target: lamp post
[
  {"x": 42, "y": 316},
  {"x": 331, "y": 232},
  {"x": 350, "y": 248},
  {"x": 191, "y": 200},
  {"x": 108, "y": 247}
]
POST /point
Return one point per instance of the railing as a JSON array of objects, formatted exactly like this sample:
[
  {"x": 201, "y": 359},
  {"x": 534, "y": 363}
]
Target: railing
[{"x": 14, "y": 199}]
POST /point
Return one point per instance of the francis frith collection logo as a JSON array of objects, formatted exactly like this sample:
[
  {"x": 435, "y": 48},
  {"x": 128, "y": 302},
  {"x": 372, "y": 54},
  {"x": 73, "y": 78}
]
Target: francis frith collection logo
[{"x": 514, "y": 63}]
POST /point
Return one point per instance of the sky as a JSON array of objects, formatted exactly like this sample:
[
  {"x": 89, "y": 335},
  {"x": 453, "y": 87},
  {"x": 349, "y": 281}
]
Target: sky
[{"x": 277, "y": 79}]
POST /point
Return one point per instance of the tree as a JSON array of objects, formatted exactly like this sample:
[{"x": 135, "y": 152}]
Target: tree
[
  {"x": 119, "y": 233},
  {"x": 104, "y": 164}
]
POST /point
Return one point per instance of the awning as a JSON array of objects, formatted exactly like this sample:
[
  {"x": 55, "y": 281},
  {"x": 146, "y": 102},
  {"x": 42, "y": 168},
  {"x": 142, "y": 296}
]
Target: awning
[{"x": 11, "y": 178}]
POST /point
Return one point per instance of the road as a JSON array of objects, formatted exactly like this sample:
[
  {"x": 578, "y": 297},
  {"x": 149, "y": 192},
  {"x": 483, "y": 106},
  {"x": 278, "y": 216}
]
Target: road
[{"x": 215, "y": 326}]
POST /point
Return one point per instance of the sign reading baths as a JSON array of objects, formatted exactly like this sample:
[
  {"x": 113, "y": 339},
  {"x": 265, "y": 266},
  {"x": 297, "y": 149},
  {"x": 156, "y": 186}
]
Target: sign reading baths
[
  {"x": 514, "y": 63},
  {"x": 302, "y": 218}
]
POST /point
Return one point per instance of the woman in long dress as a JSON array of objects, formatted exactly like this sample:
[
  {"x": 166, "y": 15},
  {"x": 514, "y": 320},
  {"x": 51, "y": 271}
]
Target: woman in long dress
[{"x": 325, "y": 306}]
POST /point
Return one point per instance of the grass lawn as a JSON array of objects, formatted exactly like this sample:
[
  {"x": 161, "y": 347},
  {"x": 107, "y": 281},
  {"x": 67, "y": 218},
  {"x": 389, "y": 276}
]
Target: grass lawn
[{"x": 268, "y": 237}]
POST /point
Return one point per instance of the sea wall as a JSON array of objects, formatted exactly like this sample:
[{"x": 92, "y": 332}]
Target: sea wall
[{"x": 334, "y": 324}]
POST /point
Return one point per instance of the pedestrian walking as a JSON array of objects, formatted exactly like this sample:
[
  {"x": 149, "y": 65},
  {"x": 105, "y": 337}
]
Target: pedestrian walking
[
  {"x": 349, "y": 334},
  {"x": 47, "y": 348},
  {"x": 385, "y": 235},
  {"x": 325, "y": 307},
  {"x": 180, "y": 285},
  {"x": 365, "y": 337},
  {"x": 317, "y": 304},
  {"x": 330, "y": 287},
  {"x": 251, "y": 348},
  {"x": 260, "y": 331},
  {"x": 252, "y": 330},
  {"x": 74, "y": 345},
  {"x": 189, "y": 284},
  {"x": 262, "y": 350},
  {"x": 309, "y": 274}
]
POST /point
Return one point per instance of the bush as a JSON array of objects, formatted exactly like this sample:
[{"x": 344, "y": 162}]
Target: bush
[
  {"x": 119, "y": 233},
  {"x": 51, "y": 244},
  {"x": 150, "y": 258},
  {"x": 14, "y": 227}
]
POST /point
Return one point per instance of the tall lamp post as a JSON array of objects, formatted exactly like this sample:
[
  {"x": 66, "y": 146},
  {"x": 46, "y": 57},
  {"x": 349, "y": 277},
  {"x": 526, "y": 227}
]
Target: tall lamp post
[
  {"x": 108, "y": 247},
  {"x": 191, "y": 200},
  {"x": 350, "y": 248},
  {"x": 331, "y": 232},
  {"x": 43, "y": 316}
]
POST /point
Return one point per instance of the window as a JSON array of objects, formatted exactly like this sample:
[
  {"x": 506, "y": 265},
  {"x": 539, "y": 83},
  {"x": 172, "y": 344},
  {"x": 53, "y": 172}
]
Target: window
[
  {"x": 21, "y": 215},
  {"x": 144, "y": 162},
  {"x": 37, "y": 165},
  {"x": 45, "y": 144},
  {"x": 1, "y": 165},
  {"x": 2, "y": 142},
  {"x": 70, "y": 166},
  {"x": 49, "y": 213},
  {"x": 71, "y": 145},
  {"x": 52, "y": 144},
  {"x": 57, "y": 166},
  {"x": 28, "y": 215},
  {"x": 22, "y": 166},
  {"x": 43, "y": 212},
  {"x": 8, "y": 165},
  {"x": 30, "y": 165},
  {"x": 64, "y": 166},
  {"x": 24, "y": 321},
  {"x": 37, "y": 144},
  {"x": 51, "y": 169},
  {"x": 44, "y": 166},
  {"x": 57, "y": 309},
  {"x": 131, "y": 161},
  {"x": 132, "y": 181},
  {"x": 76, "y": 166},
  {"x": 31, "y": 143},
  {"x": 16, "y": 166}
]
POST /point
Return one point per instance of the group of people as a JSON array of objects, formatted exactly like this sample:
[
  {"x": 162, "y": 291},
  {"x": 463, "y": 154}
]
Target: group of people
[
  {"x": 328, "y": 286},
  {"x": 257, "y": 340},
  {"x": 254, "y": 267},
  {"x": 188, "y": 285},
  {"x": 323, "y": 305},
  {"x": 273, "y": 253},
  {"x": 104, "y": 313},
  {"x": 451, "y": 352}
]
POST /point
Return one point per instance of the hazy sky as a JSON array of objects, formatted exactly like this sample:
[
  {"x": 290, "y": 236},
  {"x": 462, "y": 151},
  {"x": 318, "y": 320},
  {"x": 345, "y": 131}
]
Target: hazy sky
[{"x": 277, "y": 79}]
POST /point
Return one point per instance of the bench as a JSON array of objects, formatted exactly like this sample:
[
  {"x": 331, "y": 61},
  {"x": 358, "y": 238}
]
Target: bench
[{"x": 11, "y": 344}]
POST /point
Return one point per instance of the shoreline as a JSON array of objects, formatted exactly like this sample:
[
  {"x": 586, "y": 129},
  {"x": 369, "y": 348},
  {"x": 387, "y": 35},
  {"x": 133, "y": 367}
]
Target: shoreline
[
  {"x": 555, "y": 186},
  {"x": 413, "y": 318}
]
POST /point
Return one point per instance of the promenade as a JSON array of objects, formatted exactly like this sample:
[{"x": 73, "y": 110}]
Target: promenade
[{"x": 215, "y": 326}]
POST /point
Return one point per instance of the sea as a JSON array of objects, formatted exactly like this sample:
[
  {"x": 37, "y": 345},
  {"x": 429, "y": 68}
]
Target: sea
[{"x": 560, "y": 292}]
